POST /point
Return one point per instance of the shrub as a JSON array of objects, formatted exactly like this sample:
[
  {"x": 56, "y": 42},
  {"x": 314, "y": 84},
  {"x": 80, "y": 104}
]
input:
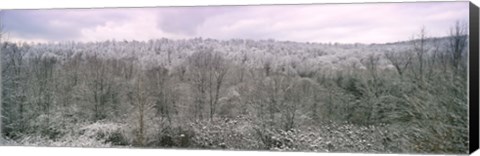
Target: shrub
[
  {"x": 331, "y": 137},
  {"x": 174, "y": 136},
  {"x": 225, "y": 134}
]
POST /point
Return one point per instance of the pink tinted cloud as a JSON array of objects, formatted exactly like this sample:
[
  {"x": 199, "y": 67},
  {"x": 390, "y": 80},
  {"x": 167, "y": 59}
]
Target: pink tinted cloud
[{"x": 346, "y": 23}]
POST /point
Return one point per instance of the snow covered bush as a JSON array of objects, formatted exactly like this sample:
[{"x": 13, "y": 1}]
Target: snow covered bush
[
  {"x": 89, "y": 135},
  {"x": 225, "y": 134}
]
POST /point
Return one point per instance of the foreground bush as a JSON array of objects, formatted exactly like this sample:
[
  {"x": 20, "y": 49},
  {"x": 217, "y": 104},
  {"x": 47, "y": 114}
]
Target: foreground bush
[
  {"x": 328, "y": 137},
  {"x": 89, "y": 135}
]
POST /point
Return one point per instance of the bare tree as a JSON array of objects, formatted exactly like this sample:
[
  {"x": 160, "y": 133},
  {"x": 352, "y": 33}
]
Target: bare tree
[
  {"x": 278, "y": 86},
  {"x": 43, "y": 69},
  {"x": 267, "y": 66},
  {"x": 371, "y": 63},
  {"x": 164, "y": 95},
  {"x": 99, "y": 91},
  {"x": 13, "y": 87},
  {"x": 257, "y": 96},
  {"x": 208, "y": 71},
  {"x": 299, "y": 94},
  {"x": 419, "y": 45},
  {"x": 436, "y": 58},
  {"x": 311, "y": 96},
  {"x": 99, "y": 86},
  {"x": 243, "y": 66},
  {"x": 457, "y": 43},
  {"x": 400, "y": 60},
  {"x": 142, "y": 103}
]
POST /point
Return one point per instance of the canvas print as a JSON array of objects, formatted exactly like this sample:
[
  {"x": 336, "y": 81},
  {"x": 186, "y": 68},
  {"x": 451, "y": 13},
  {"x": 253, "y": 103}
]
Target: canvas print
[{"x": 369, "y": 78}]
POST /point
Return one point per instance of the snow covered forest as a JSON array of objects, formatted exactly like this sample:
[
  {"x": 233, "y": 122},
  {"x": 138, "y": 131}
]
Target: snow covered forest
[{"x": 408, "y": 96}]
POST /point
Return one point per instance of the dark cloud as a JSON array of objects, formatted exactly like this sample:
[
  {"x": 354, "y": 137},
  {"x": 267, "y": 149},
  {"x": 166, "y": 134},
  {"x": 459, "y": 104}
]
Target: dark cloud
[
  {"x": 35, "y": 24},
  {"x": 185, "y": 20},
  {"x": 55, "y": 24}
]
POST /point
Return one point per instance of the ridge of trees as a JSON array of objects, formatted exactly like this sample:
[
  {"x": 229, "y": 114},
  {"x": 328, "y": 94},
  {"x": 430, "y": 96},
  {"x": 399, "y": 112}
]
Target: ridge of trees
[{"x": 161, "y": 95}]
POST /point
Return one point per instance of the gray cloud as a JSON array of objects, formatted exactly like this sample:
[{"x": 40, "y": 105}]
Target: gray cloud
[
  {"x": 185, "y": 20},
  {"x": 35, "y": 24},
  {"x": 56, "y": 24}
]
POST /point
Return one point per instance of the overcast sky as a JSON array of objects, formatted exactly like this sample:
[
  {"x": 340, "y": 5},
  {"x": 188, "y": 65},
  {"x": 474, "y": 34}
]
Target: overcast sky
[{"x": 345, "y": 23}]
